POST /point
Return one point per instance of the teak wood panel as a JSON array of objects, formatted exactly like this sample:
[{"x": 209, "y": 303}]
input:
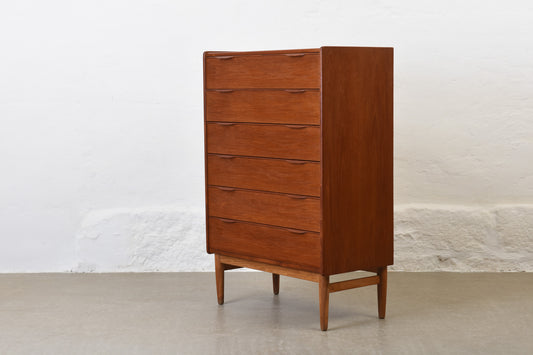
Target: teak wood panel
[
  {"x": 357, "y": 128},
  {"x": 291, "y": 211},
  {"x": 271, "y": 52},
  {"x": 266, "y": 106},
  {"x": 238, "y": 261},
  {"x": 289, "y": 176},
  {"x": 280, "y": 245},
  {"x": 288, "y": 71},
  {"x": 264, "y": 140}
]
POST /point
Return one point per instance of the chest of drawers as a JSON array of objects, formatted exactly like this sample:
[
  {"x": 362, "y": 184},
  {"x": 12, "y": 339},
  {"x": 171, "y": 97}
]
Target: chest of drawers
[{"x": 299, "y": 165}]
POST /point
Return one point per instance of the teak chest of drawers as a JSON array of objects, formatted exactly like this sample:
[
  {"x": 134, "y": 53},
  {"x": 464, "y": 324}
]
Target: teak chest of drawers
[{"x": 299, "y": 165}]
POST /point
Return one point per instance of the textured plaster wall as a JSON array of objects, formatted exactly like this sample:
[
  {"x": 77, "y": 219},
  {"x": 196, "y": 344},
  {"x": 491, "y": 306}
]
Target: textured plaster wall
[
  {"x": 428, "y": 237},
  {"x": 101, "y": 152}
]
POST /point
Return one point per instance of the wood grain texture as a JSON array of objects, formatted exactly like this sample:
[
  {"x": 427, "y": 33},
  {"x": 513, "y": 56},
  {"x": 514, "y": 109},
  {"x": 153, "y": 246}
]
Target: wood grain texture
[
  {"x": 270, "y": 52},
  {"x": 357, "y": 158},
  {"x": 274, "y": 269},
  {"x": 205, "y": 159},
  {"x": 323, "y": 291},
  {"x": 264, "y": 140},
  {"x": 259, "y": 241},
  {"x": 263, "y": 71},
  {"x": 382, "y": 292},
  {"x": 219, "y": 276},
  {"x": 268, "y": 261},
  {"x": 354, "y": 283},
  {"x": 299, "y": 182},
  {"x": 266, "y": 106},
  {"x": 291, "y": 211},
  {"x": 278, "y": 175}
]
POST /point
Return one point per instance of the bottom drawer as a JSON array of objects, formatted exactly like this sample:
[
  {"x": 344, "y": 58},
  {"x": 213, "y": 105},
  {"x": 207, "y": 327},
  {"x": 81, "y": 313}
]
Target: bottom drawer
[{"x": 280, "y": 246}]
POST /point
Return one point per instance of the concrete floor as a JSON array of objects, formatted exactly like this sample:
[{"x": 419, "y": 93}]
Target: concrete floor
[{"x": 177, "y": 313}]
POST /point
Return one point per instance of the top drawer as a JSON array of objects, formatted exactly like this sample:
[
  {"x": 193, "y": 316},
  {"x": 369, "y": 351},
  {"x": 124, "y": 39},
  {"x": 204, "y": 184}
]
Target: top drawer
[{"x": 288, "y": 71}]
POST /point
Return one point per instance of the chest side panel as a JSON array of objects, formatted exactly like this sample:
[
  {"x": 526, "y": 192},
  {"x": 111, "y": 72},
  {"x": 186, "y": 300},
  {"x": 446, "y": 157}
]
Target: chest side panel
[{"x": 357, "y": 158}]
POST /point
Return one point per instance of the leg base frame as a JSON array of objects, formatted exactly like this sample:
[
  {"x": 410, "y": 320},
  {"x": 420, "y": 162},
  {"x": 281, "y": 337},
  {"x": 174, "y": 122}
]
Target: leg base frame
[{"x": 223, "y": 263}]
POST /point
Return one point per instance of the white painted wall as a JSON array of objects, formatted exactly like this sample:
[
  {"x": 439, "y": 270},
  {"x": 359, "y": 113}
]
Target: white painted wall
[{"x": 101, "y": 125}]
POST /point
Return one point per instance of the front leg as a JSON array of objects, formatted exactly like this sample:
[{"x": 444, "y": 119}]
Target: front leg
[
  {"x": 382, "y": 292},
  {"x": 219, "y": 273},
  {"x": 323, "y": 290},
  {"x": 275, "y": 283}
]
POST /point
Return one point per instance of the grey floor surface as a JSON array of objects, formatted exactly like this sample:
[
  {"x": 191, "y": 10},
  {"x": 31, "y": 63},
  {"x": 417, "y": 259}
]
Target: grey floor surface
[{"x": 177, "y": 313}]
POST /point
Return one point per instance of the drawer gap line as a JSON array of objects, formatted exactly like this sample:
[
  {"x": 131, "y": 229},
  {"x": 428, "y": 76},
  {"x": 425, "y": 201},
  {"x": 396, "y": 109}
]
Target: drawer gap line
[
  {"x": 269, "y": 225},
  {"x": 266, "y": 192}
]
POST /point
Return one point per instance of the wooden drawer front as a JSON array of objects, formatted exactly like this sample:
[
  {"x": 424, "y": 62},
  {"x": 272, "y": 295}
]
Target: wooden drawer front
[
  {"x": 289, "y": 176},
  {"x": 268, "y": 106},
  {"x": 265, "y": 207},
  {"x": 262, "y": 140},
  {"x": 286, "y": 71},
  {"x": 284, "y": 246}
]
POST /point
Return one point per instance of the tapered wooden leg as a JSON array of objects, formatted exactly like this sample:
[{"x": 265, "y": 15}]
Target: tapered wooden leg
[
  {"x": 382, "y": 292},
  {"x": 275, "y": 283},
  {"x": 219, "y": 273},
  {"x": 323, "y": 284}
]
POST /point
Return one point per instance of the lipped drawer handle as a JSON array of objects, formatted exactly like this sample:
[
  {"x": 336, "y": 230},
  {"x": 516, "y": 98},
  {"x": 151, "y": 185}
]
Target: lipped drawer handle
[
  {"x": 298, "y": 162},
  {"x": 291, "y": 126},
  {"x": 225, "y": 220},
  {"x": 230, "y": 189},
  {"x": 224, "y": 91},
  {"x": 295, "y": 91},
  {"x": 298, "y": 197},
  {"x": 296, "y": 231},
  {"x": 225, "y": 156},
  {"x": 225, "y": 57},
  {"x": 225, "y": 123},
  {"x": 295, "y": 55}
]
